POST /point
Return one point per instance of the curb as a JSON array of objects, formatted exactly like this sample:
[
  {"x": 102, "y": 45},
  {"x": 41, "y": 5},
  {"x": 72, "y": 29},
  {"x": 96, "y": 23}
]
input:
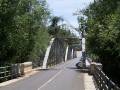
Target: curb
[{"x": 34, "y": 71}]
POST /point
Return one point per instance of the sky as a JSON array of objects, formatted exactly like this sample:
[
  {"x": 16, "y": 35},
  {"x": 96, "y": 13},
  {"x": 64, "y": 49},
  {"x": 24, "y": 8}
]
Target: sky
[{"x": 66, "y": 8}]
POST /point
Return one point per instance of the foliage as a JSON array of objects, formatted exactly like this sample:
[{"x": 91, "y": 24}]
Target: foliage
[
  {"x": 23, "y": 31},
  {"x": 57, "y": 30},
  {"x": 54, "y": 28},
  {"x": 103, "y": 34}
]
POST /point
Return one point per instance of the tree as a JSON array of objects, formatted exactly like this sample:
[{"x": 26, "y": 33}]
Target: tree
[
  {"x": 22, "y": 29},
  {"x": 54, "y": 28},
  {"x": 103, "y": 34}
]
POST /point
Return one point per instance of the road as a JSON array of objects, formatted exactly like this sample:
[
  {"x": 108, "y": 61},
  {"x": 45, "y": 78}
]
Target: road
[{"x": 61, "y": 77}]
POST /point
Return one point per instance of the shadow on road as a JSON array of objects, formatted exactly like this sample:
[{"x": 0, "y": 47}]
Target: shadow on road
[{"x": 78, "y": 70}]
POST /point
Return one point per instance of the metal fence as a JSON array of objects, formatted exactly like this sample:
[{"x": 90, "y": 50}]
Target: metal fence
[
  {"x": 8, "y": 72},
  {"x": 102, "y": 81}
]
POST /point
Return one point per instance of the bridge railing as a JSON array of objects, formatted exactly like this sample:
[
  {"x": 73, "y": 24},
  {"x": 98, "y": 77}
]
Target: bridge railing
[
  {"x": 8, "y": 72},
  {"x": 11, "y": 71},
  {"x": 101, "y": 80},
  {"x": 5, "y": 73}
]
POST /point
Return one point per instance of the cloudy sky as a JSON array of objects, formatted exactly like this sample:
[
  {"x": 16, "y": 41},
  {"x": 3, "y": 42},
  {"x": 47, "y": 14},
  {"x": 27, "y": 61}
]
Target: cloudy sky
[{"x": 66, "y": 8}]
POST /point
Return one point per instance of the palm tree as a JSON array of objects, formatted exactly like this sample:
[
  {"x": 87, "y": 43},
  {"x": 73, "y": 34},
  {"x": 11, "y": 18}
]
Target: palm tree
[{"x": 54, "y": 27}]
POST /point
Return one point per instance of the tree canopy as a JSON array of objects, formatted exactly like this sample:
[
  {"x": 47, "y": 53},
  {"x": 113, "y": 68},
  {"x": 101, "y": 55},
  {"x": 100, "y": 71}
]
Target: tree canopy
[
  {"x": 23, "y": 31},
  {"x": 103, "y": 34}
]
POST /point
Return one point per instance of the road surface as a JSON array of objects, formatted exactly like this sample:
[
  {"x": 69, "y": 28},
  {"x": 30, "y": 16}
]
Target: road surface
[{"x": 61, "y": 77}]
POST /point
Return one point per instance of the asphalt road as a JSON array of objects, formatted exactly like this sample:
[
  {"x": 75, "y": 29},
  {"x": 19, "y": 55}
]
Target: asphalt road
[{"x": 61, "y": 77}]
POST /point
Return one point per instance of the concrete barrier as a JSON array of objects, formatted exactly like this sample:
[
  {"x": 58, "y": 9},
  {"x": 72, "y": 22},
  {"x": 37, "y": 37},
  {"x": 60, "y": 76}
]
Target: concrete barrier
[
  {"x": 92, "y": 67},
  {"x": 26, "y": 68}
]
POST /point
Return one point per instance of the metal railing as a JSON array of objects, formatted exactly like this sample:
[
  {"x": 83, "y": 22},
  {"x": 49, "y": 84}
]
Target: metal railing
[
  {"x": 102, "y": 81},
  {"x": 5, "y": 73},
  {"x": 8, "y": 72}
]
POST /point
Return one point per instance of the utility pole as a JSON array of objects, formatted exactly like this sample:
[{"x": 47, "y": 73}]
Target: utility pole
[
  {"x": 83, "y": 49},
  {"x": 82, "y": 29}
]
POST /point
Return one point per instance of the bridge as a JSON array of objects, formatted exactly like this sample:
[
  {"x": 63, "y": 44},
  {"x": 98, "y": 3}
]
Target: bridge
[{"x": 57, "y": 71}]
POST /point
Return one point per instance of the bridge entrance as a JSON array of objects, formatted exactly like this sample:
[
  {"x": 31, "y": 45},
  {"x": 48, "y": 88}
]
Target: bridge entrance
[{"x": 61, "y": 50}]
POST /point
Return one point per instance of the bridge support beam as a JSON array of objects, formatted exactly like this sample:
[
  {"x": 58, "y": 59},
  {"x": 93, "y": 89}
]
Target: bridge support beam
[
  {"x": 47, "y": 54},
  {"x": 72, "y": 54},
  {"x": 66, "y": 54}
]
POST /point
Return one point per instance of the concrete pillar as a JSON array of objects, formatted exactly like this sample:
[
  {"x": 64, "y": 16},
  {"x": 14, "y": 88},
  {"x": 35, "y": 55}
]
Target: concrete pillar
[
  {"x": 93, "y": 65},
  {"x": 83, "y": 52},
  {"x": 91, "y": 69},
  {"x": 72, "y": 54},
  {"x": 83, "y": 44},
  {"x": 66, "y": 54}
]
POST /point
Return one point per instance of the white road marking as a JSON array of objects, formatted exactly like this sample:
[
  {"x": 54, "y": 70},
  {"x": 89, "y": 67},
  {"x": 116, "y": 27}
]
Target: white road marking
[{"x": 51, "y": 79}]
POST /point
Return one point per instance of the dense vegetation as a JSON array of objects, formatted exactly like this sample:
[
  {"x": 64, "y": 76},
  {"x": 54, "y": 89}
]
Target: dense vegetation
[
  {"x": 23, "y": 31},
  {"x": 103, "y": 35}
]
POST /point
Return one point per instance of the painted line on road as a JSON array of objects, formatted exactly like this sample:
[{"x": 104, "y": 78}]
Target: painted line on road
[{"x": 51, "y": 79}]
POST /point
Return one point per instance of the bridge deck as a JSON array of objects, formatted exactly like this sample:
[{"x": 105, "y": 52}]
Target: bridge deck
[{"x": 61, "y": 77}]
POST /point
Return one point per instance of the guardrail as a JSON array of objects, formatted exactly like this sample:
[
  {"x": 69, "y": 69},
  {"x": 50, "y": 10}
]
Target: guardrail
[
  {"x": 102, "y": 81},
  {"x": 8, "y": 72},
  {"x": 5, "y": 73},
  {"x": 89, "y": 60},
  {"x": 26, "y": 68}
]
